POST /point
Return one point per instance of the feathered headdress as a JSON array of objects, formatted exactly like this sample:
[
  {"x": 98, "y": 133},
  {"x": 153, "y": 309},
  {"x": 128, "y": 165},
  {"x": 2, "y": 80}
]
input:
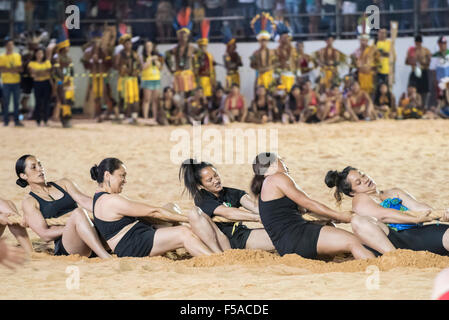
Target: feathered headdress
[
  {"x": 182, "y": 22},
  {"x": 283, "y": 28},
  {"x": 228, "y": 38},
  {"x": 205, "y": 28},
  {"x": 263, "y": 26},
  {"x": 39, "y": 37},
  {"x": 63, "y": 37}
]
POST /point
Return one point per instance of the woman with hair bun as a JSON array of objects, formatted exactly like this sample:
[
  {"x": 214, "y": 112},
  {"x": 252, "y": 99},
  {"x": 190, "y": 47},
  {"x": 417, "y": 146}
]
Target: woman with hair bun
[
  {"x": 52, "y": 200},
  {"x": 281, "y": 202},
  {"x": 117, "y": 219},
  {"x": 389, "y": 219}
]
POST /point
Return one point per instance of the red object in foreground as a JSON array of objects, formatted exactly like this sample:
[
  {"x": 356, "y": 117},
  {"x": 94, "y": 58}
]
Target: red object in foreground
[{"x": 444, "y": 296}]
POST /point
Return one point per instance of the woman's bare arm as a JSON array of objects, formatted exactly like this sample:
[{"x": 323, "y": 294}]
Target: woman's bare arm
[
  {"x": 37, "y": 223},
  {"x": 249, "y": 203},
  {"x": 125, "y": 207},
  {"x": 364, "y": 205}
]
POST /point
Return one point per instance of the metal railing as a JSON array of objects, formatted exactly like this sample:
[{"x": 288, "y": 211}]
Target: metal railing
[{"x": 343, "y": 24}]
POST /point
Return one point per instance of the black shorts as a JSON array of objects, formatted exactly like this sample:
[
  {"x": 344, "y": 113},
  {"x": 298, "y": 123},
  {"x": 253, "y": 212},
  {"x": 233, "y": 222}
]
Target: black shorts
[
  {"x": 300, "y": 238},
  {"x": 426, "y": 238},
  {"x": 59, "y": 248},
  {"x": 238, "y": 238},
  {"x": 137, "y": 242}
]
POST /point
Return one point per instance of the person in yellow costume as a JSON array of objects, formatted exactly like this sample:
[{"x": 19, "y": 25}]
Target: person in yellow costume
[
  {"x": 329, "y": 59},
  {"x": 63, "y": 74},
  {"x": 387, "y": 57},
  {"x": 232, "y": 60},
  {"x": 263, "y": 59},
  {"x": 204, "y": 65},
  {"x": 179, "y": 60},
  {"x": 365, "y": 61},
  {"x": 129, "y": 66},
  {"x": 286, "y": 57}
]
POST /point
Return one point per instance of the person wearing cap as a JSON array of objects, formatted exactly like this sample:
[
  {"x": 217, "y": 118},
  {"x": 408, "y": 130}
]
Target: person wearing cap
[
  {"x": 129, "y": 66},
  {"x": 365, "y": 60},
  {"x": 329, "y": 59},
  {"x": 285, "y": 64},
  {"x": 418, "y": 57},
  {"x": 97, "y": 60},
  {"x": 232, "y": 60},
  {"x": 179, "y": 60},
  {"x": 204, "y": 64},
  {"x": 63, "y": 75},
  {"x": 263, "y": 59},
  {"x": 11, "y": 67}
]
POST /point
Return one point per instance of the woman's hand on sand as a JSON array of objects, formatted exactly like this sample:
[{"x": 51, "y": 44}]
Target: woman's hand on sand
[
  {"x": 445, "y": 215},
  {"x": 11, "y": 256}
]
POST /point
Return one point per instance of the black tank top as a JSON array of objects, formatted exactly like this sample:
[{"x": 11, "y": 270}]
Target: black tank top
[
  {"x": 278, "y": 215},
  {"x": 109, "y": 229},
  {"x": 55, "y": 208}
]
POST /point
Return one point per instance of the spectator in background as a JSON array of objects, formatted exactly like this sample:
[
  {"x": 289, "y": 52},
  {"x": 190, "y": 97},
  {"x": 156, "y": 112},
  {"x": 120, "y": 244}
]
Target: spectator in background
[
  {"x": 292, "y": 8},
  {"x": 262, "y": 108},
  {"x": 385, "y": 102},
  {"x": 234, "y": 106},
  {"x": 197, "y": 108},
  {"x": 418, "y": 57},
  {"x": 214, "y": 8},
  {"x": 169, "y": 112},
  {"x": 216, "y": 105},
  {"x": 264, "y": 5},
  {"x": 329, "y": 7},
  {"x": 198, "y": 13},
  {"x": 312, "y": 8},
  {"x": 348, "y": 10},
  {"x": 106, "y": 9},
  {"x": 29, "y": 9},
  {"x": 164, "y": 19},
  {"x": 40, "y": 70},
  {"x": 358, "y": 104},
  {"x": 331, "y": 105},
  {"x": 410, "y": 104},
  {"x": 248, "y": 8},
  {"x": 10, "y": 68},
  {"x": 19, "y": 16}
]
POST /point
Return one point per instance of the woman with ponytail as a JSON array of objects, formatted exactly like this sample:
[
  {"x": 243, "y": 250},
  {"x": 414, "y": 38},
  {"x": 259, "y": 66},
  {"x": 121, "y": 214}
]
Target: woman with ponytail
[
  {"x": 281, "y": 203},
  {"x": 117, "y": 219},
  {"x": 52, "y": 200},
  {"x": 389, "y": 219},
  {"x": 203, "y": 182}
]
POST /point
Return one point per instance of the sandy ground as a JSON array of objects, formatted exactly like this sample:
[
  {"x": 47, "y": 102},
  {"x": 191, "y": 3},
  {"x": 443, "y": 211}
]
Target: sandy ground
[{"x": 408, "y": 154}]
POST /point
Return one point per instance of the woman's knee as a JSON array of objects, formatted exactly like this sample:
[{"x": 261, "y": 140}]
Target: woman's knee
[
  {"x": 185, "y": 233},
  {"x": 360, "y": 224}
]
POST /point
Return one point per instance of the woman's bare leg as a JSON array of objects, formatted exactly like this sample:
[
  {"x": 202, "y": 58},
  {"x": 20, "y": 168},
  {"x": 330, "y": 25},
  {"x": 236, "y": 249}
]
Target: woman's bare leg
[
  {"x": 154, "y": 104},
  {"x": 171, "y": 238},
  {"x": 80, "y": 237},
  {"x": 207, "y": 231},
  {"x": 259, "y": 239},
  {"x": 332, "y": 241},
  {"x": 372, "y": 233},
  {"x": 146, "y": 103}
]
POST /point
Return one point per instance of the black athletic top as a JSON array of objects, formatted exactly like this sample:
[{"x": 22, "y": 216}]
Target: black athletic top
[
  {"x": 228, "y": 197},
  {"x": 108, "y": 229},
  {"x": 55, "y": 208},
  {"x": 278, "y": 216}
]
